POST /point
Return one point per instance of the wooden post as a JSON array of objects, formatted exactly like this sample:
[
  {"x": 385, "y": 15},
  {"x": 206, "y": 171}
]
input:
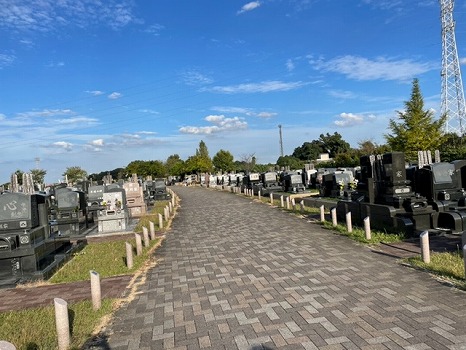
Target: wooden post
[
  {"x": 322, "y": 213},
  {"x": 129, "y": 255},
  {"x": 349, "y": 225},
  {"x": 62, "y": 322},
  {"x": 425, "y": 250},
  {"x": 367, "y": 228},
  {"x": 333, "y": 211},
  {"x": 95, "y": 290}
]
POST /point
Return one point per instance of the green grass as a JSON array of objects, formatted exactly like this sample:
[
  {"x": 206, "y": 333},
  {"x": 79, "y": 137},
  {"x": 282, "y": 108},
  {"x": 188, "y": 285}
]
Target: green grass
[
  {"x": 33, "y": 329},
  {"x": 111, "y": 261},
  {"x": 448, "y": 265},
  {"x": 359, "y": 234},
  {"x": 153, "y": 216}
]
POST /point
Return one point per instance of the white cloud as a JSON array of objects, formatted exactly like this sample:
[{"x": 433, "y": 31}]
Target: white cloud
[
  {"x": 249, "y": 7},
  {"x": 221, "y": 124},
  {"x": 463, "y": 60},
  {"x": 154, "y": 29},
  {"x": 265, "y": 86},
  {"x": 6, "y": 60},
  {"x": 53, "y": 64},
  {"x": 63, "y": 145},
  {"x": 349, "y": 119},
  {"x": 381, "y": 68},
  {"x": 289, "y": 65},
  {"x": 115, "y": 95},
  {"x": 49, "y": 15},
  {"x": 266, "y": 115},
  {"x": 196, "y": 78},
  {"x": 47, "y": 113},
  {"x": 95, "y": 92},
  {"x": 149, "y": 111},
  {"x": 77, "y": 121},
  {"x": 344, "y": 95}
]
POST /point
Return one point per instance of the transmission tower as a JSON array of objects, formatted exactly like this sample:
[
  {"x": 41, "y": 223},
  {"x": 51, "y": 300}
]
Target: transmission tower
[
  {"x": 281, "y": 140},
  {"x": 452, "y": 104}
]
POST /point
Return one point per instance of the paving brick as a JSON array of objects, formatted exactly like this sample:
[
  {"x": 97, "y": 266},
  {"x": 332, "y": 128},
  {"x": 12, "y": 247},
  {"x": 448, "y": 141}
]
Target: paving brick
[{"x": 233, "y": 273}]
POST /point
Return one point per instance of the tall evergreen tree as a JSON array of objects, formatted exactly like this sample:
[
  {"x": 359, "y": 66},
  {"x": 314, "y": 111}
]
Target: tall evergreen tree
[{"x": 416, "y": 129}]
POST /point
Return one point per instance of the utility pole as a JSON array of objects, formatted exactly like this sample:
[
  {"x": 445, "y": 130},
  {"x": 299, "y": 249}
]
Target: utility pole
[
  {"x": 281, "y": 140},
  {"x": 452, "y": 103}
]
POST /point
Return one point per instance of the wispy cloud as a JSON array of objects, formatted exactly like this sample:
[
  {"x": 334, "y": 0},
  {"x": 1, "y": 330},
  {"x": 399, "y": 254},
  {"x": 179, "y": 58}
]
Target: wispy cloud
[
  {"x": 196, "y": 78},
  {"x": 49, "y": 15},
  {"x": 220, "y": 124},
  {"x": 289, "y": 65},
  {"x": 265, "y": 86},
  {"x": 249, "y": 7},
  {"x": 381, "y": 68},
  {"x": 148, "y": 111},
  {"x": 95, "y": 92},
  {"x": 246, "y": 111},
  {"x": 154, "y": 29},
  {"x": 115, "y": 95},
  {"x": 47, "y": 113},
  {"x": 344, "y": 95},
  {"x": 6, "y": 60}
]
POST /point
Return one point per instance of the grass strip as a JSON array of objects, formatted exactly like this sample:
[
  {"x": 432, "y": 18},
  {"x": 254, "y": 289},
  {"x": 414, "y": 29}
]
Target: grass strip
[{"x": 35, "y": 329}]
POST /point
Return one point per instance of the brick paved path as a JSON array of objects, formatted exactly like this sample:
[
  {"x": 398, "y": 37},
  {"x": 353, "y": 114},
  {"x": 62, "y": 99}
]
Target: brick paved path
[{"x": 236, "y": 274}]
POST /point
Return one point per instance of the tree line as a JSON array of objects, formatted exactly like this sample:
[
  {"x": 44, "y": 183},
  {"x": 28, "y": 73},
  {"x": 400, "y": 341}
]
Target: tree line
[{"x": 413, "y": 129}]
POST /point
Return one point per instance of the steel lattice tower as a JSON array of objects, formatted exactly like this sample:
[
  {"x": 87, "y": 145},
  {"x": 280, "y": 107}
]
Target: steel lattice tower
[{"x": 452, "y": 103}]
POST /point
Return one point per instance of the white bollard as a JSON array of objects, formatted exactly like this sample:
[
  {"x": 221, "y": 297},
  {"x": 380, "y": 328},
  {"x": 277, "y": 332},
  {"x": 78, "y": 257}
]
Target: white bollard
[
  {"x": 293, "y": 204},
  {"x": 271, "y": 199},
  {"x": 62, "y": 322},
  {"x": 166, "y": 213},
  {"x": 160, "y": 221},
  {"x": 281, "y": 202},
  {"x": 152, "y": 230},
  {"x": 129, "y": 255},
  {"x": 367, "y": 228},
  {"x": 349, "y": 225},
  {"x": 425, "y": 250},
  {"x": 259, "y": 195},
  {"x": 333, "y": 211},
  {"x": 138, "y": 243},
  {"x": 95, "y": 290},
  {"x": 145, "y": 236},
  {"x": 322, "y": 213},
  {"x": 288, "y": 203},
  {"x": 303, "y": 208},
  {"x": 4, "y": 345}
]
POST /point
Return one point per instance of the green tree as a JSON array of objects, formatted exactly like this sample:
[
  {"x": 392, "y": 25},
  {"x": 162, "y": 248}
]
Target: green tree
[
  {"x": 308, "y": 151},
  {"x": 38, "y": 175},
  {"x": 333, "y": 144},
  {"x": 289, "y": 161},
  {"x": 200, "y": 162},
  {"x": 452, "y": 148},
  {"x": 416, "y": 130},
  {"x": 368, "y": 147},
  {"x": 174, "y": 165},
  {"x": 75, "y": 173},
  {"x": 223, "y": 160}
]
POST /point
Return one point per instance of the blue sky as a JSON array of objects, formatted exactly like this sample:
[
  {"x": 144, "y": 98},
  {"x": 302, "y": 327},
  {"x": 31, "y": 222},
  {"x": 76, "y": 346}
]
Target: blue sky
[{"x": 98, "y": 84}]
